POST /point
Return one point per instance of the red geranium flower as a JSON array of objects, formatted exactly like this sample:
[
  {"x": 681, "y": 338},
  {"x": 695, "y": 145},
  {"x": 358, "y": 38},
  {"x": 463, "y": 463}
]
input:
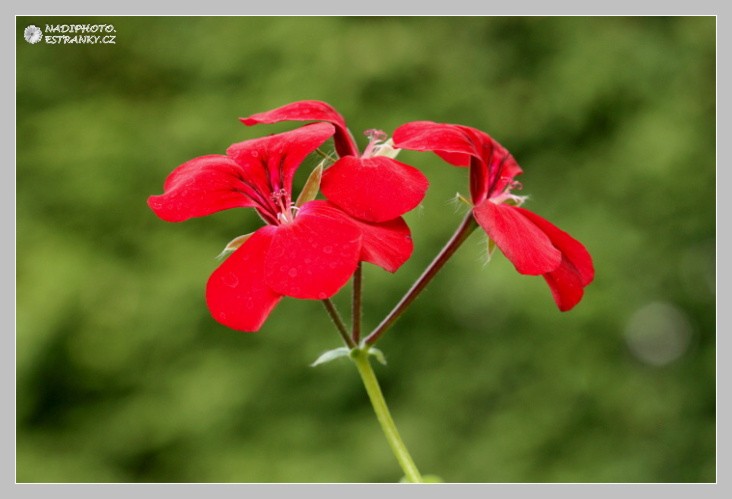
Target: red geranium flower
[
  {"x": 371, "y": 186},
  {"x": 531, "y": 243},
  {"x": 308, "y": 251}
]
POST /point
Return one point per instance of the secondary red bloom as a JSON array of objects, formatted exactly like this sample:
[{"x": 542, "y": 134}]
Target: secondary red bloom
[
  {"x": 531, "y": 243},
  {"x": 306, "y": 252},
  {"x": 370, "y": 186}
]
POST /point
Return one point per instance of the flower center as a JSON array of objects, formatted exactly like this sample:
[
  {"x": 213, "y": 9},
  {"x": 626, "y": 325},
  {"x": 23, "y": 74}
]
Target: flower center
[
  {"x": 508, "y": 196},
  {"x": 285, "y": 209},
  {"x": 378, "y": 145}
]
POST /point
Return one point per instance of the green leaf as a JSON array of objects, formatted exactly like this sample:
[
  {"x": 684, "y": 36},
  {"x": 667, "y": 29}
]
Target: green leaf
[
  {"x": 312, "y": 185},
  {"x": 331, "y": 355}
]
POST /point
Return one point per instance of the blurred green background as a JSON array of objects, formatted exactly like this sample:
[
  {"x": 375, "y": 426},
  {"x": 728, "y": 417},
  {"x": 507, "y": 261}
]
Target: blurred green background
[{"x": 122, "y": 375}]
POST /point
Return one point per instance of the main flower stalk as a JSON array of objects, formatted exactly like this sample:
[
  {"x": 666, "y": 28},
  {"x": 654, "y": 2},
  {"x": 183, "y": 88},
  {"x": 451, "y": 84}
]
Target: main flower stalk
[{"x": 360, "y": 357}]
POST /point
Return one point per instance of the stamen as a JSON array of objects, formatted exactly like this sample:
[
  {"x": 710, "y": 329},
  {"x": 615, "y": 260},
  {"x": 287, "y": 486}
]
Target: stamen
[
  {"x": 518, "y": 200},
  {"x": 282, "y": 201},
  {"x": 507, "y": 196},
  {"x": 278, "y": 197},
  {"x": 376, "y": 137},
  {"x": 386, "y": 149}
]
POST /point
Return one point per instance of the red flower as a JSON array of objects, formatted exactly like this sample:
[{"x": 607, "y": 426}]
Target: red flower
[
  {"x": 531, "y": 243},
  {"x": 307, "y": 252},
  {"x": 370, "y": 186}
]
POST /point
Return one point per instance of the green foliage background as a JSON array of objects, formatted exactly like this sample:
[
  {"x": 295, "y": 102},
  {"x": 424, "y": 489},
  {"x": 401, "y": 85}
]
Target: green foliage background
[{"x": 122, "y": 376}]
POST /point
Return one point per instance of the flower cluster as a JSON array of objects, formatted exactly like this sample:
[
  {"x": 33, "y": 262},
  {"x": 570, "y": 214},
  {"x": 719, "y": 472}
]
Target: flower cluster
[{"x": 309, "y": 248}]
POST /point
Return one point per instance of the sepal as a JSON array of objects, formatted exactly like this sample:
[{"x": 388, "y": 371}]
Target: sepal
[
  {"x": 312, "y": 185},
  {"x": 491, "y": 249},
  {"x": 233, "y": 245}
]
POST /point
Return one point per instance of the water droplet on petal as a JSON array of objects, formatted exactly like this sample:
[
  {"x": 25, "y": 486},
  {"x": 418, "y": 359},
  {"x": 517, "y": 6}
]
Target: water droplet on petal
[
  {"x": 328, "y": 249},
  {"x": 292, "y": 272},
  {"x": 230, "y": 280}
]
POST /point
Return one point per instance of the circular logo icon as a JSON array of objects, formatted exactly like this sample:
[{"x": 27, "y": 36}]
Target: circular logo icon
[{"x": 32, "y": 34}]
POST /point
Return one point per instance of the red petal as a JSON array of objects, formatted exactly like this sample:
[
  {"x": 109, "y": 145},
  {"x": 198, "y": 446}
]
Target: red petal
[
  {"x": 574, "y": 252},
  {"x": 565, "y": 284},
  {"x": 492, "y": 168},
  {"x": 523, "y": 243},
  {"x": 270, "y": 162},
  {"x": 310, "y": 110},
  {"x": 373, "y": 189},
  {"x": 236, "y": 293},
  {"x": 387, "y": 244},
  {"x": 500, "y": 166},
  {"x": 315, "y": 255},
  {"x": 199, "y": 187},
  {"x": 447, "y": 141}
]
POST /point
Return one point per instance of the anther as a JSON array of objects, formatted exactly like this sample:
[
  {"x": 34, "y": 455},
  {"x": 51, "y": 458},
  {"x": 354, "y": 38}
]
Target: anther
[
  {"x": 278, "y": 195},
  {"x": 375, "y": 135}
]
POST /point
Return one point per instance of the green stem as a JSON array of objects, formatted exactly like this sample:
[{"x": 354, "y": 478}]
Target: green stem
[
  {"x": 467, "y": 226},
  {"x": 339, "y": 324},
  {"x": 361, "y": 359}
]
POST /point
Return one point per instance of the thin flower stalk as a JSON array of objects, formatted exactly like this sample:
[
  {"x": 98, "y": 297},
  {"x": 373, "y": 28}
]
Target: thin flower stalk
[{"x": 466, "y": 228}]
